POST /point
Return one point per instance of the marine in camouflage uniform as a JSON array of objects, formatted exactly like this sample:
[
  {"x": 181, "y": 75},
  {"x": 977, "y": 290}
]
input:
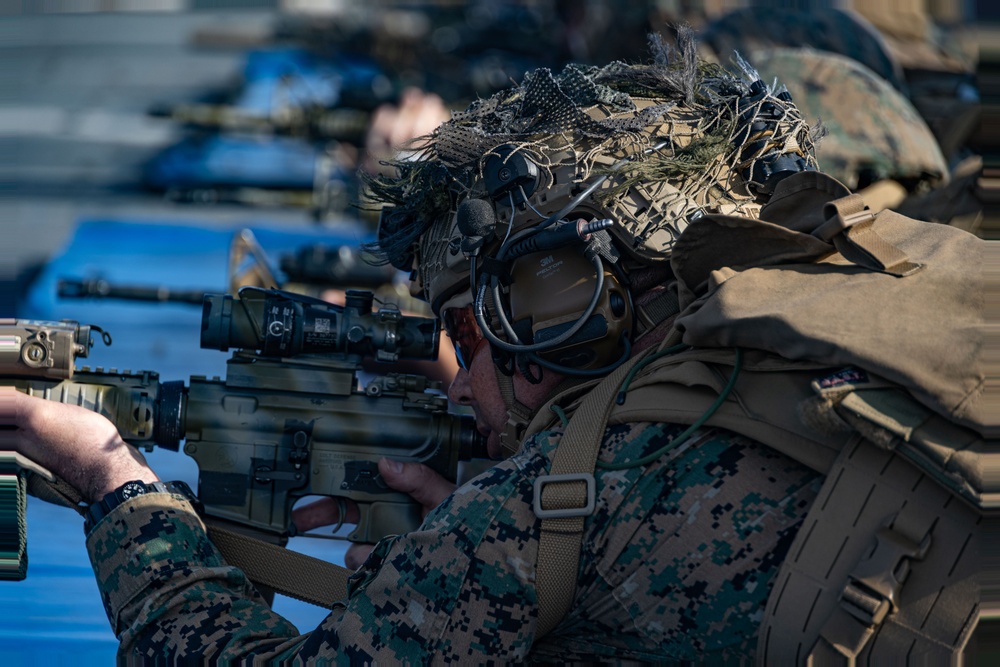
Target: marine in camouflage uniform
[
  {"x": 678, "y": 564},
  {"x": 681, "y": 551},
  {"x": 825, "y": 29}
]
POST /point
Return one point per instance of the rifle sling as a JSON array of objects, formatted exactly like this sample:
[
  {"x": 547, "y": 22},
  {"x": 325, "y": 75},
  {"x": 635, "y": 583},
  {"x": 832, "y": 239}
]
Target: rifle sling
[{"x": 288, "y": 572}]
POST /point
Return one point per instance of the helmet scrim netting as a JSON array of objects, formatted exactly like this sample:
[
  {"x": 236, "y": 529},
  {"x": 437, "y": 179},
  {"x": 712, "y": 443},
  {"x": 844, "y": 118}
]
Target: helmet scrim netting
[{"x": 678, "y": 138}]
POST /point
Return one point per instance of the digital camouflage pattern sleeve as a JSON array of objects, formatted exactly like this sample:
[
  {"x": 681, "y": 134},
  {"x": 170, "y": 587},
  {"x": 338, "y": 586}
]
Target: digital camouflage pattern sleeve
[{"x": 677, "y": 564}]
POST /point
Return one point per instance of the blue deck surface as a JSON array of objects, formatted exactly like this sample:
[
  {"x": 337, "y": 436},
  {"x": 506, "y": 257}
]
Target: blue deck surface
[{"x": 55, "y": 616}]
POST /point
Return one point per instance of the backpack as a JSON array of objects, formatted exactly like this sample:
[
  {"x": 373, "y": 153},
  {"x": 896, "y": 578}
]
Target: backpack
[{"x": 855, "y": 343}]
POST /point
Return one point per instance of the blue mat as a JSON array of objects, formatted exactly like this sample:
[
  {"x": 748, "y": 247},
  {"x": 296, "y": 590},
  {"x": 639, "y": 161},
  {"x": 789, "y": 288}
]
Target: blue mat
[{"x": 55, "y": 616}]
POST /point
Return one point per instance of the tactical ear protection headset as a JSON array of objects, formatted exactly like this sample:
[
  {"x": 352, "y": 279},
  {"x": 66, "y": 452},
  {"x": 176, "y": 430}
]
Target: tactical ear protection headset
[{"x": 550, "y": 293}]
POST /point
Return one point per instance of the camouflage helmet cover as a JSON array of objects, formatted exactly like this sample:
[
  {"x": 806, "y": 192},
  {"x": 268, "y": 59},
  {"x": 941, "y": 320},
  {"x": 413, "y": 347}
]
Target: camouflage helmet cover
[
  {"x": 667, "y": 142},
  {"x": 832, "y": 30},
  {"x": 872, "y": 131}
]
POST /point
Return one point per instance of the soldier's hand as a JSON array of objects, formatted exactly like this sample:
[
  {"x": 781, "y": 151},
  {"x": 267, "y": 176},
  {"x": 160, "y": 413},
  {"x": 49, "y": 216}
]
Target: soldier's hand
[
  {"x": 74, "y": 443},
  {"x": 425, "y": 486},
  {"x": 326, "y": 512}
]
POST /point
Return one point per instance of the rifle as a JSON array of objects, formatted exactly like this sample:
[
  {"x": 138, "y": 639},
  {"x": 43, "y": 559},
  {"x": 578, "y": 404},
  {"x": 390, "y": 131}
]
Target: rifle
[
  {"x": 314, "y": 265},
  {"x": 334, "y": 266},
  {"x": 289, "y": 420},
  {"x": 102, "y": 289},
  {"x": 310, "y": 121}
]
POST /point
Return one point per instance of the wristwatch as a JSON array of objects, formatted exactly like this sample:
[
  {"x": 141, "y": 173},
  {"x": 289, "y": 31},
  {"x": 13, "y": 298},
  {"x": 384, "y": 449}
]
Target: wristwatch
[{"x": 103, "y": 507}]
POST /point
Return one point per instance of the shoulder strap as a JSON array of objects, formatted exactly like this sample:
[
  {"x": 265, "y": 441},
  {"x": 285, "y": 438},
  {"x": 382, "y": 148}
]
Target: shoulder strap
[
  {"x": 566, "y": 496},
  {"x": 884, "y": 552}
]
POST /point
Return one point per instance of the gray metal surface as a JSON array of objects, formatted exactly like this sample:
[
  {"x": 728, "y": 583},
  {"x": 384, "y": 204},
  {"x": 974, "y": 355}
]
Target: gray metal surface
[{"x": 74, "y": 90}]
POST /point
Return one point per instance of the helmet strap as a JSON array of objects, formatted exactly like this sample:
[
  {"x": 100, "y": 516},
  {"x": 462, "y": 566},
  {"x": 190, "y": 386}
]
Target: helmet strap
[{"x": 518, "y": 417}]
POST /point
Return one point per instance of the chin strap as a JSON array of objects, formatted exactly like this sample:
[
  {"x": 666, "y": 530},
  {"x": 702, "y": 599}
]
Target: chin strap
[{"x": 518, "y": 416}]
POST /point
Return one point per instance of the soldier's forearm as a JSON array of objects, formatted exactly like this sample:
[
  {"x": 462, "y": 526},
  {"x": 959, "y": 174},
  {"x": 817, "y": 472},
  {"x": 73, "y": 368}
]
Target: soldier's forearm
[{"x": 168, "y": 592}]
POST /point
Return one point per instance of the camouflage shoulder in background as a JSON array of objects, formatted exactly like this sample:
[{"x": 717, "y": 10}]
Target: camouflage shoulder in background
[
  {"x": 921, "y": 72},
  {"x": 680, "y": 558},
  {"x": 913, "y": 38},
  {"x": 872, "y": 131}
]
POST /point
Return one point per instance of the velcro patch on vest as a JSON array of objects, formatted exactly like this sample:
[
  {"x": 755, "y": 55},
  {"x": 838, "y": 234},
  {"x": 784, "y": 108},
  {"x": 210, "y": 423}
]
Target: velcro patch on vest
[
  {"x": 847, "y": 380},
  {"x": 844, "y": 379}
]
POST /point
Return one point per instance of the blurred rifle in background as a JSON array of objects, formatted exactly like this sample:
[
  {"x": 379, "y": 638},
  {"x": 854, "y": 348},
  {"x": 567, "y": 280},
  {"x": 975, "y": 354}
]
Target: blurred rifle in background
[
  {"x": 311, "y": 269},
  {"x": 309, "y": 121}
]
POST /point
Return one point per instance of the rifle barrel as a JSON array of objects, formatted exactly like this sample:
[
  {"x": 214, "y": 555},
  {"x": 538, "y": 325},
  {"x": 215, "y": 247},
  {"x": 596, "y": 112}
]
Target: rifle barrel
[{"x": 102, "y": 289}]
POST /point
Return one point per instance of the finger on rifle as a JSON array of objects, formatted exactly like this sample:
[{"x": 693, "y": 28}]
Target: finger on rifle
[
  {"x": 323, "y": 512},
  {"x": 357, "y": 554},
  {"x": 423, "y": 484}
]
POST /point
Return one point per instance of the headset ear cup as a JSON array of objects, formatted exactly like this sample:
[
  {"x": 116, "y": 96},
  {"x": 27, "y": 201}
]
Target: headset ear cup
[{"x": 549, "y": 293}]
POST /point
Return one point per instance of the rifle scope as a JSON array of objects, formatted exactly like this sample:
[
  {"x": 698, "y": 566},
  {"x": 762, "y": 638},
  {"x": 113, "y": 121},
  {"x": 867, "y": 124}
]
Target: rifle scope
[{"x": 282, "y": 324}]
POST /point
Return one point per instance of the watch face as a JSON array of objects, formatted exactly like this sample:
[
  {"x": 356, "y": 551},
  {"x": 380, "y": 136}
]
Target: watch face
[{"x": 132, "y": 489}]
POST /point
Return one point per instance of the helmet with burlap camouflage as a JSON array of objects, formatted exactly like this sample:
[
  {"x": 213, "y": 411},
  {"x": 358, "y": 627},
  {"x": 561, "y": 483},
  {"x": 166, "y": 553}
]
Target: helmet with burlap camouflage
[{"x": 613, "y": 161}]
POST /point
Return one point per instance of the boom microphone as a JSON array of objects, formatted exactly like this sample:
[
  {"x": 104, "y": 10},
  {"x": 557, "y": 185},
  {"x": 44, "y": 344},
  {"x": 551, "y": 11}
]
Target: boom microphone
[{"x": 476, "y": 220}]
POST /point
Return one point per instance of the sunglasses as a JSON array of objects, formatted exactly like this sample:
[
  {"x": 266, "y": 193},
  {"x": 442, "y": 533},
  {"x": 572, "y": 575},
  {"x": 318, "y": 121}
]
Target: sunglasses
[{"x": 461, "y": 326}]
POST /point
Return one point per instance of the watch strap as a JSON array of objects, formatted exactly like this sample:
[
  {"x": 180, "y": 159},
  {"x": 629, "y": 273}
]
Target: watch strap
[{"x": 128, "y": 490}]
